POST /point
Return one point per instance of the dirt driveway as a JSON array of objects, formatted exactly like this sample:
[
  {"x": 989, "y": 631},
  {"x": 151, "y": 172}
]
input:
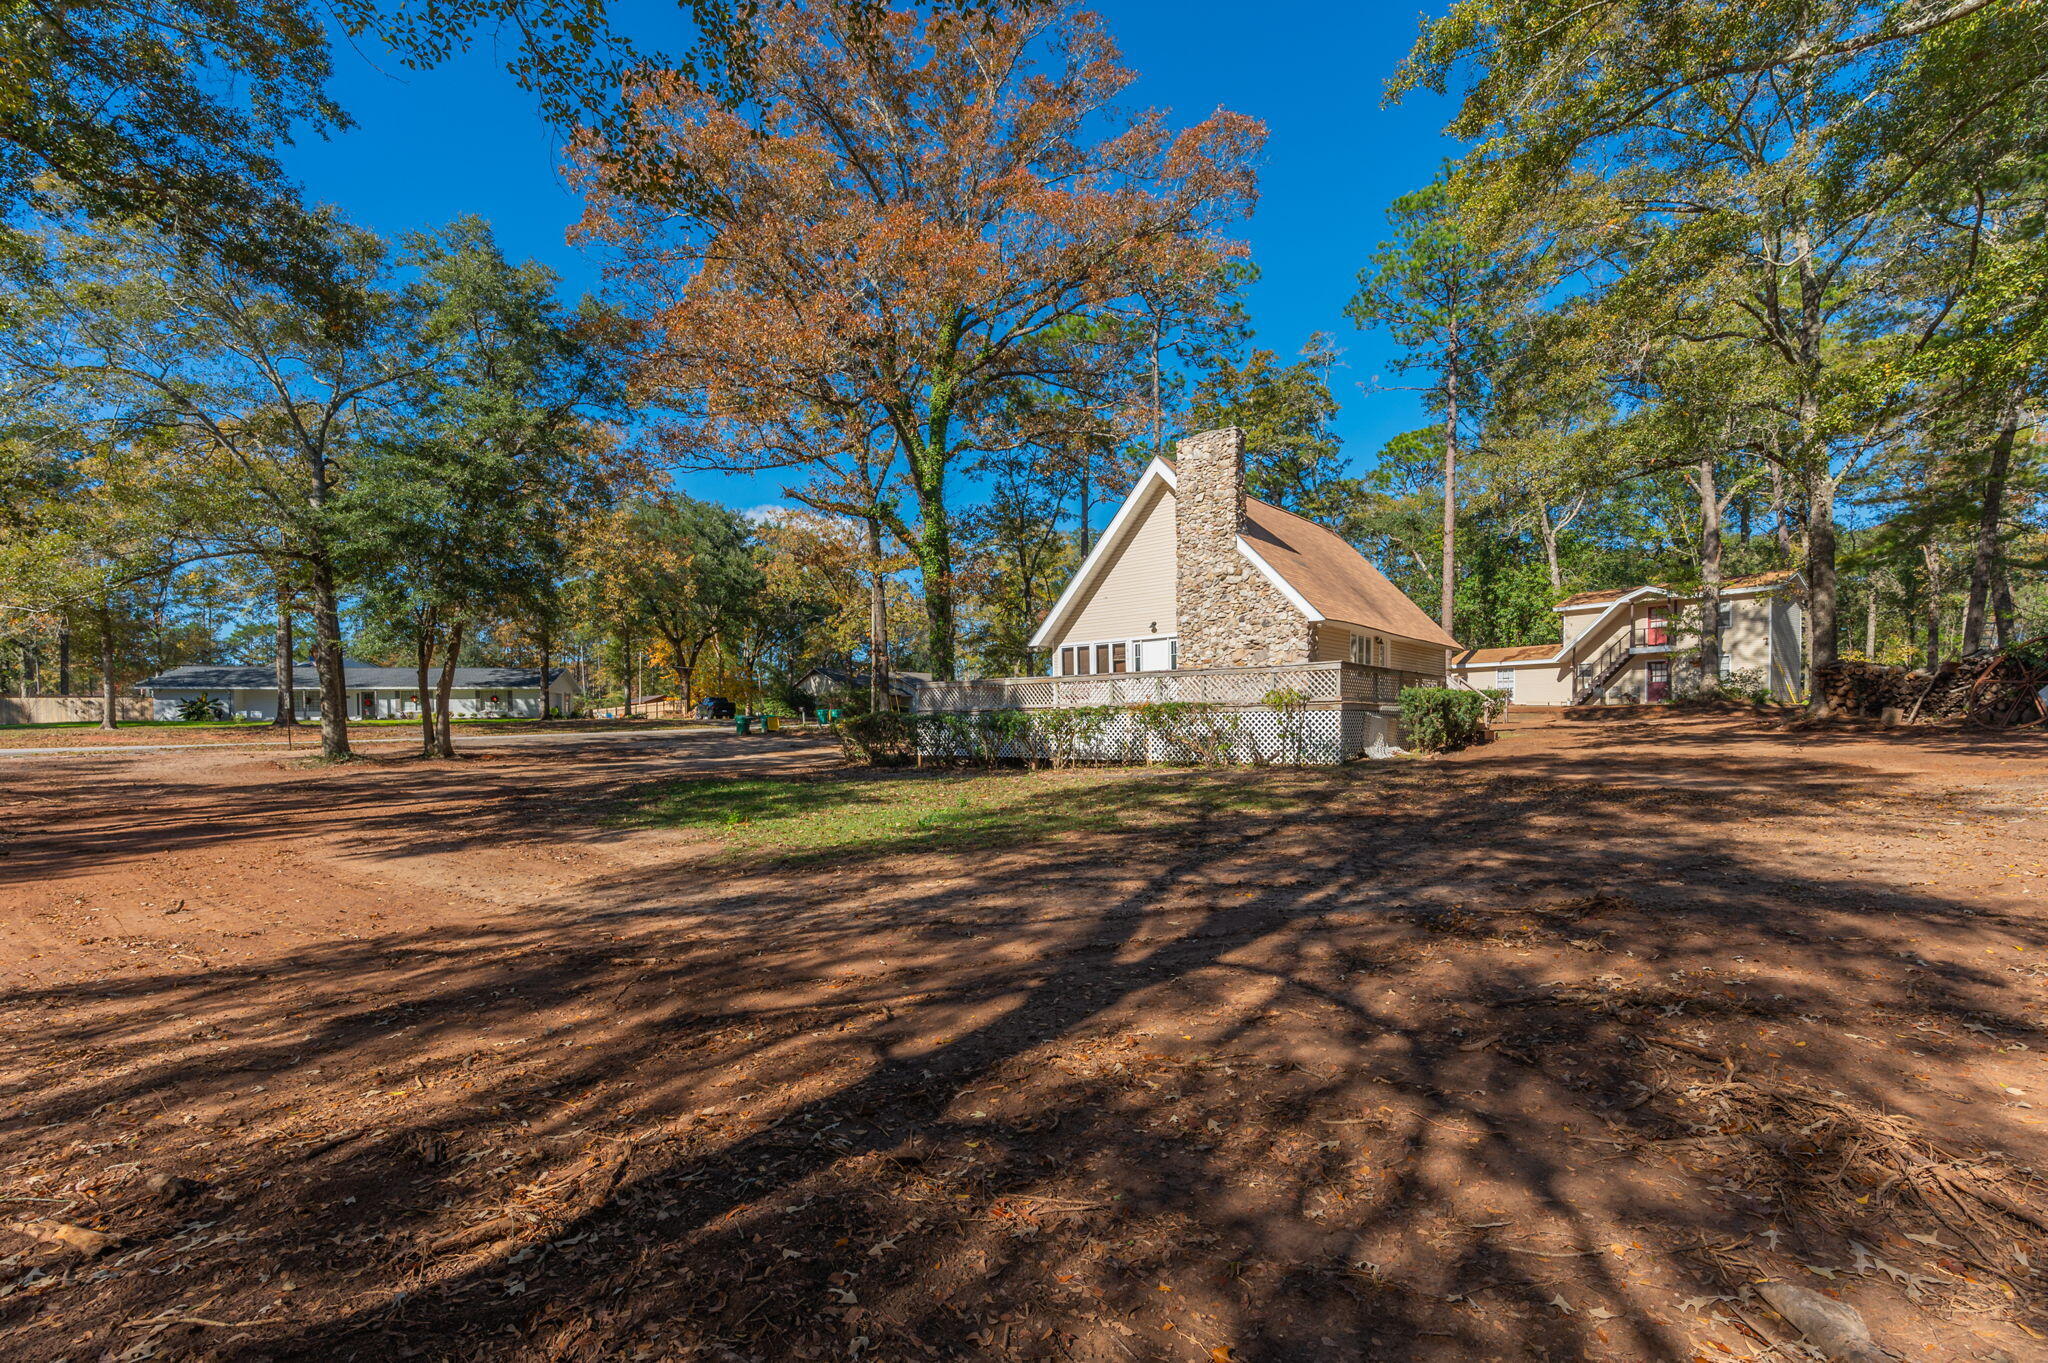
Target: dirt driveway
[{"x": 1575, "y": 1046}]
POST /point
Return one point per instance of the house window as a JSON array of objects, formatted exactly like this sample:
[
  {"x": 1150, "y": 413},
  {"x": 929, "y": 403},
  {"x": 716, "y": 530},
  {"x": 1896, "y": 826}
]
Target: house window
[
  {"x": 1102, "y": 657},
  {"x": 1080, "y": 660},
  {"x": 1117, "y": 658},
  {"x": 1727, "y": 664},
  {"x": 1725, "y": 618},
  {"x": 1358, "y": 647},
  {"x": 1504, "y": 680}
]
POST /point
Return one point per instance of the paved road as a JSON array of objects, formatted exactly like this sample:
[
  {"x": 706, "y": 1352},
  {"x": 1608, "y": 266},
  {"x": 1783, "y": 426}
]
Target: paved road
[{"x": 312, "y": 744}]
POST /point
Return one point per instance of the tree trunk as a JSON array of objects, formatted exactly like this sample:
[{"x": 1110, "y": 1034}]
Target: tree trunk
[
  {"x": 1547, "y": 532},
  {"x": 878, "y": 621},
  {"x": 1821, "y": 586},
  {"x": 447, "y": 683},
  {"x": 1870, "y": 619},
  {"x": 287, "y": 696},
  {"x": 1930, "y": 600},
  {"x": 1985, "y": 558},
  {"x": 544, "y": 662},
  {"x": 1781, "y": 515},
  {"x": 64, "y": 656},
  {"x": 933, "y": 546},
  {"x": 2003, "y": 613},
  {"x": 1085, "y": 504},
  {"x": 1710, "y": 573},
  {"x": 1448, "y": 603},
  {"x": 107, "y": 715},
  {"x": 423, "y": 647},
  {"x": 1158, "y": 409},
  {"x": 327, "y": 661}
]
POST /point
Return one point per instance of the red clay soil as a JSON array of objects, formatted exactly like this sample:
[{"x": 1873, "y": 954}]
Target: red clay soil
[{"x": 1569, "y": 1047}]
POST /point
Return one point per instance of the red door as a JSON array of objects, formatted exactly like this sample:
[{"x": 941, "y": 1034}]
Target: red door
[
  {"x": 1657, "y": 628},
  {"x": 1659, "y": 687}
]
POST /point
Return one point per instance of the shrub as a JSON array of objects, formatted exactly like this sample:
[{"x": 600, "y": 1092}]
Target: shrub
[
  {"x": 1744, "y": 684},
  {"x": 1189, "y": 732},
  {"x": 1748, "y": 683},
  {"x": 1496, "y": 702},
  {"x": 883, "y": 738},
  {"x": 202, "y": 707},
  {"x": 1442, "y": 718}
]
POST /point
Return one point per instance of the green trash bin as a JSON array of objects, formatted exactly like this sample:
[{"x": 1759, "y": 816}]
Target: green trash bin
[{"x": 743, "y": 724}]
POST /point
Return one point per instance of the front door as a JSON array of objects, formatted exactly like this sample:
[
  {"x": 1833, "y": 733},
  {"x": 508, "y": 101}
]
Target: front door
[
  {"x": 369, "y": 706},
  {"x": 1659, "y": 687},
  {"x": 1657, "y": 628}
]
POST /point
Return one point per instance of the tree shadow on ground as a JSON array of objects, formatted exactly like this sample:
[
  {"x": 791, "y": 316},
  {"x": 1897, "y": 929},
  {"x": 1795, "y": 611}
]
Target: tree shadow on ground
[{"x": 1427, "y": 1062}]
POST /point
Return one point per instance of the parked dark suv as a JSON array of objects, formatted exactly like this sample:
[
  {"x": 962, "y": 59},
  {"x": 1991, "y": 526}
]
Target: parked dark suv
[{"x": 714, "y": 707}]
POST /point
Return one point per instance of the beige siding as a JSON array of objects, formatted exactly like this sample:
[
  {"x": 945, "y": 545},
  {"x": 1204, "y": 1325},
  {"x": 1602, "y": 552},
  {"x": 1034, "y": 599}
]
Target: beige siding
[
  {"x": 1541, "y": 684},
  {"x": 1333, "y": 645},
  {"x": 1575, "y": 622},
  {"x": 1788, "y": 652},
  {"x": 1747, "y": 640},
  {"x": 1410, "y": 656},
  {"x": 1133, "y": 596}
]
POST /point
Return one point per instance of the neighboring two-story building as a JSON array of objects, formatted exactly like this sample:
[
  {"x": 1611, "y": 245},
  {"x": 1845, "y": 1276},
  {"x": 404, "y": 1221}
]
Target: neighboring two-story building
[{"x": 1640, "y": 643}]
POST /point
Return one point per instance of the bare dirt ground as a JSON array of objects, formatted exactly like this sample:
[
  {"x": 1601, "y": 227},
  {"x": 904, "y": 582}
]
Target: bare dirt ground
[{"x": 1574, "y": 1046}]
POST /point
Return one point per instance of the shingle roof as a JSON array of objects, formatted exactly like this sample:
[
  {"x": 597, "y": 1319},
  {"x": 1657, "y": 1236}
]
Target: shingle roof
[
  {"x": 1521, "y": 653},
  {"x": 358, "y": 676},
  {"x": 1334, "y": 578},
  {"x": 1770, "y": 579},
  {"x": 900, "y": 683}
]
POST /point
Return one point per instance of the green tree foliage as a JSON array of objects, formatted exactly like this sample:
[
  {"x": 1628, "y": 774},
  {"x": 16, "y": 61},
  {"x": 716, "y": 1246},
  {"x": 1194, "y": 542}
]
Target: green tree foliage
[
  {"x": 1442, "y": 294},
  {"x": 674, "y": 571},
  {"x": 461, "y": 510},
  {"x": 1293, "y": 457},
  {"x": 1825, "y": 206}
]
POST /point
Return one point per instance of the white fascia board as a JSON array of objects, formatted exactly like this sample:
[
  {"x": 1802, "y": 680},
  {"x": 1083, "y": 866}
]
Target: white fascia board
[
  {"x": 1618, "y": 601},
  {"x": 1286, "y": 589},
  {"x": 1519, "y": 662},
  {"x": 1107, "y": 545}
]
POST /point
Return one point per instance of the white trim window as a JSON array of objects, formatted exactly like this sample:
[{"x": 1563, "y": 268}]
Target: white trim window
[
  {"x": 1368, "y": 650},
  {"x": 1504, "y": 680},
  {"x": 1095, "y": 659}
]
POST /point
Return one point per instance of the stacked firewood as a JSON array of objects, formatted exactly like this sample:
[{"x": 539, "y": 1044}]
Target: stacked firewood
[{"x": 2001, "y": 687}]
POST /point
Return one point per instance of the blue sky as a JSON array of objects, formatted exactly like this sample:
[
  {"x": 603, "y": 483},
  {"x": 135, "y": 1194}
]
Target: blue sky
[{"x": 431, "y": 146}]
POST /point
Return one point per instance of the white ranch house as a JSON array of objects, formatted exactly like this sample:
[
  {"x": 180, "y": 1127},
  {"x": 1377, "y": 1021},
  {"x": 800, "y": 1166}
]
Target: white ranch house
[
  {"x": 1196, "y": 592},
  {"x": 373, "y": 692}
]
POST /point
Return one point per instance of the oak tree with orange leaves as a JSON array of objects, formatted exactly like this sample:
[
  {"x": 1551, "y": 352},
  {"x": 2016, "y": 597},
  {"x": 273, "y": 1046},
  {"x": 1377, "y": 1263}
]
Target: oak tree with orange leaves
[{"x": 900, "y": 226}]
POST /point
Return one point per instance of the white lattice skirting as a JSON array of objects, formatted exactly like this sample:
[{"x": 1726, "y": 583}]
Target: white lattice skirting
[{"x": 1247, "y": 737}]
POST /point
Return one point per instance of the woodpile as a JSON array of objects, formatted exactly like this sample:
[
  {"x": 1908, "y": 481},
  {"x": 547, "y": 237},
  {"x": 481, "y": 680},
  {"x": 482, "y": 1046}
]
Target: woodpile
[{"x": 1999, "y": 688}]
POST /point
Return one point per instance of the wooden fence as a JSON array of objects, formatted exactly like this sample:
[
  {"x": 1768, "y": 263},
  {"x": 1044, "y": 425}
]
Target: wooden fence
[{"x": 70, "y": 709}]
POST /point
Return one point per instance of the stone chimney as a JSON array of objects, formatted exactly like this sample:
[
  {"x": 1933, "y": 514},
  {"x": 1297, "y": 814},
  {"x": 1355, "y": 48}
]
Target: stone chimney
[{"x": 1225, "y": 612}]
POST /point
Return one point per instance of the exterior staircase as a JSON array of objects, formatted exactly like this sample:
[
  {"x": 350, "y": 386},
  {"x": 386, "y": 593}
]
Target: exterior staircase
[{"x": 1606, "y": 665}]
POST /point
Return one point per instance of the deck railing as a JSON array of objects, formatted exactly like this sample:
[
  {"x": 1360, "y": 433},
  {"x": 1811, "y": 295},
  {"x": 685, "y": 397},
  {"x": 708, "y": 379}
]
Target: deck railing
[{"x": 1323, "y": 685}]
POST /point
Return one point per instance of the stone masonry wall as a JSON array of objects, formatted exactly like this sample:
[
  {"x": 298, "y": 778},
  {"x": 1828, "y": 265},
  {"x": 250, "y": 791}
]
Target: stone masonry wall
[{"x": 1225, "y": 611}]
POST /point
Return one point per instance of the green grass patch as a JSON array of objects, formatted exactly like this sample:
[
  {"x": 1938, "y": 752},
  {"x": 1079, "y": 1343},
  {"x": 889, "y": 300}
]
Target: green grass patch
[{"x": 868, "y": 813}]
